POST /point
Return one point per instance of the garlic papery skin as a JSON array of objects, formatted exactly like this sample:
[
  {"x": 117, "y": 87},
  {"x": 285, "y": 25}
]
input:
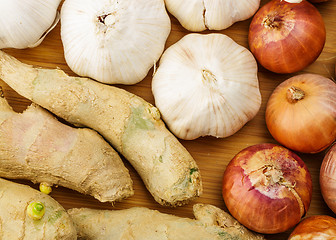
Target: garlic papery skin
[
  {"x": 199, "y": 15},
  {"x": 206, "y": 85},
  {"x": 113, "y": 41},
  {"x": 25, "y": 23}
]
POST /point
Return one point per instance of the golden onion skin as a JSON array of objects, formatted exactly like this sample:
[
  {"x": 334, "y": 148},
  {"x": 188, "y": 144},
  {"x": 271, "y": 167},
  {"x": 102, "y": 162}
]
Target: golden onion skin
[
  {"x": 306, "y": 124},
  {"x": 315, "y": 227}
]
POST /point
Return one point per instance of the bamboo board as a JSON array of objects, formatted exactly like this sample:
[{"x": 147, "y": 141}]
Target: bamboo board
[{"x": 212, "y": 155}]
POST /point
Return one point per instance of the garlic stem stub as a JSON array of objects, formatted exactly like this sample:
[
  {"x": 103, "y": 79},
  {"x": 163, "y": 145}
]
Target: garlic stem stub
[
  {"x": 206, "y": 85},
  {"x": 113, "y": 41},
  {"x": 199, "y": 15},
  {"x": 25, "y": 23}
]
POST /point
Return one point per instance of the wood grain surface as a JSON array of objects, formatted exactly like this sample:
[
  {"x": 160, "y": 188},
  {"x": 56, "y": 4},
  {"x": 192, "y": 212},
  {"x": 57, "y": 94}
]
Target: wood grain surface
[{"x": 212, "y": 154}]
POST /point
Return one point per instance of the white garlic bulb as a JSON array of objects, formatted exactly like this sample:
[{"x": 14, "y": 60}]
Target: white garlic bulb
[
  {"x": 199, "y": 15},
  {"x": 25, "y": 23},
  {"x": 206, "y": 85},
  {"x": 113, "y": 41}
]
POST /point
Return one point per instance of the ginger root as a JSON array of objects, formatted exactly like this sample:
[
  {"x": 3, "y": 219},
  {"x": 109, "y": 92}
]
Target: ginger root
[
  {"x": 35, "y": 146},
  {"x": 132, "y": 125},
  {"x": 16, "y": 222},
  {"x": 143, "y": 223}
]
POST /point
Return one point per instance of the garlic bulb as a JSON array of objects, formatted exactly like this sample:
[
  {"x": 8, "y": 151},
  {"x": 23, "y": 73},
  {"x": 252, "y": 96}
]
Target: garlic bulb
[
  {"x": 199, "y": 15},
  {"x": 25, "y": 23},
  {"x": 113, "y": 41},
  {"x": 206, "y": 85}
]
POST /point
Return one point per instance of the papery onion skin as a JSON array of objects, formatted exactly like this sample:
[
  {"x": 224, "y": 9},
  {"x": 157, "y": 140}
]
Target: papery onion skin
[
  {"x": 315, "y": 227},
  {"x": 307, "y": 125},
  {"x": 257, "y": 202},
  {"x": 328, "y": 178},
  {"x": 287, "y": 37}
]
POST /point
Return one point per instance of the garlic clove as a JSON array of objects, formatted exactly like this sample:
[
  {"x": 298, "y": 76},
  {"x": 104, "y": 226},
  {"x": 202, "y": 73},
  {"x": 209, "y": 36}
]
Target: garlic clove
[
  {"x": 199, "y": 15},
  {"x": 53, "y": 25},
  {"x": 222, "y": 14},
  {"x": 206, "y": 85},
  {"x": 25, "y": 23},
  {"x": 113, "y": 41},
  {"x": 189, "y": 13}
]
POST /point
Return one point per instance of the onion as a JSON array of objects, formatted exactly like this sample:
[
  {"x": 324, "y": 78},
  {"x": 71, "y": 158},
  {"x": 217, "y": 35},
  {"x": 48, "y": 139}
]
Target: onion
[
  {"x": 267, "y": 188},
  {"x": 328, "y": 178},
  {"x": 285, "y": 36},
  {"x": 301, "y": 113},
  {"x": 315, "y": 227}
]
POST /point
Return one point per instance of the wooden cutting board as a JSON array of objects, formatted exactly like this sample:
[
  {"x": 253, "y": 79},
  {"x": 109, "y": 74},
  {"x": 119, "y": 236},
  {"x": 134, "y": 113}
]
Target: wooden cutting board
[{"x": 212, "y": 155}]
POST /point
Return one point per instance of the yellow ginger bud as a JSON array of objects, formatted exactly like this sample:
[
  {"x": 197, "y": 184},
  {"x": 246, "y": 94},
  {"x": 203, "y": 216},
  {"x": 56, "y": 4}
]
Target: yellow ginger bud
[
  {"x": 36, "y": 210},
  {"x": 45, "y": 188}
]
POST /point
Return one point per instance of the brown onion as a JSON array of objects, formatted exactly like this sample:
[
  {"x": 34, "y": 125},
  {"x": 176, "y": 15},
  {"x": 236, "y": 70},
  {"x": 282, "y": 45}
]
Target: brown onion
[
  {"x": 286, "y": 37},
  {"x": 315, "y": 227},
  {"x": 267, "y": 188},
  {"x": 301, "y": 113},
  {"x": 328, "y": 178}
]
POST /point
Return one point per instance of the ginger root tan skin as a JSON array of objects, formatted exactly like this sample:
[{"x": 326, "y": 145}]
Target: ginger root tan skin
[
  {"x": 132, "y": 125},
  {"x": 143, "y": 223},
  {"x": 35, "y": 146},
  {"x": 16, "y": 223}
]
